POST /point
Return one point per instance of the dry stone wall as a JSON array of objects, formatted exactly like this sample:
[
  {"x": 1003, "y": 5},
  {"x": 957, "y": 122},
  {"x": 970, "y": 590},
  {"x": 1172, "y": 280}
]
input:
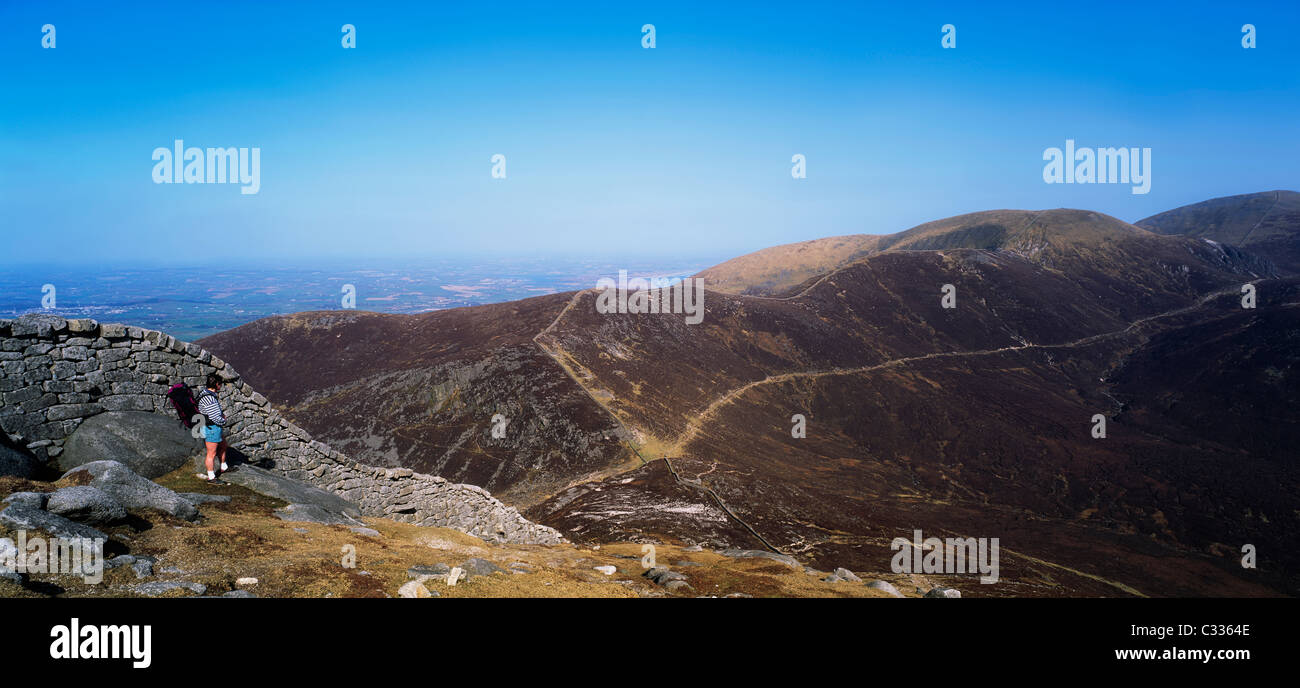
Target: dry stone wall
[{"x": 56, "y": 372}]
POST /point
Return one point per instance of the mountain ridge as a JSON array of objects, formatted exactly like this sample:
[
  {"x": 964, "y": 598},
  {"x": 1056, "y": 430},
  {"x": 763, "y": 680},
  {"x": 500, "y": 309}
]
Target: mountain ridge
[
  {"x": 1262, "y": 222},
  {"x": 1050, "y": 305},
  {"x": 766, "y": 272}
]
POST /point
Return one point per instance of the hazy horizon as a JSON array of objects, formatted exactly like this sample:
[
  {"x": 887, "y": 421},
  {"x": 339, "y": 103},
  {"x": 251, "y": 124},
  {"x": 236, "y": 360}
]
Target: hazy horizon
[
  {"x": 194, "y": 302},
  {"x": 376, "y": 261}
]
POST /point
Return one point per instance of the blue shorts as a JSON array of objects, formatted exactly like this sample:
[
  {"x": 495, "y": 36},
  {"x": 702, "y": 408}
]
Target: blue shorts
[{"x": 212, "y": 433}]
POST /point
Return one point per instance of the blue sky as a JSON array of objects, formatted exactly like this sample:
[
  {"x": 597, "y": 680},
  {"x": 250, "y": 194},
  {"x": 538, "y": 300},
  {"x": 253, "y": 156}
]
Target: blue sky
[{"x": 613, "y": 150}]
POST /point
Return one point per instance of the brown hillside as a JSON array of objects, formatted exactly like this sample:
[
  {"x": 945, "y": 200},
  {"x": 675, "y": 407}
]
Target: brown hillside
[{"x": 968, "y": 421}]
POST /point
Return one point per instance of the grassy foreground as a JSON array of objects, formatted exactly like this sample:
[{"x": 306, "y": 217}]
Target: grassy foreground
[{"x": 244, "y": 539}]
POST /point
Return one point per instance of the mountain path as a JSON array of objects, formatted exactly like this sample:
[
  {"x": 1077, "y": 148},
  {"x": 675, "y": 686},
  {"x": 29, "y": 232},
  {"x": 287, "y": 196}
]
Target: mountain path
[
  {"x": 627, "y": 434},
  {"x": 568, "y": 370},
  {"x": 1277, "y": 196},
  {"x": 711, "y": 410},
  {"x": 695, "y": 426}
]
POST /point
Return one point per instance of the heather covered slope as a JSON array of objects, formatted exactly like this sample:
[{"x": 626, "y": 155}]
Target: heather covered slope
[
  {"x": 998, "y": 444},
  {"x": 971, "y": 421},
  {"x": 659, "y": 373},
  {"x": 966, "y": 420},
  {"x": 978, "y": 444},
  {"x": 421, "y": 391},
  {"x": 1266, "y": 223}
]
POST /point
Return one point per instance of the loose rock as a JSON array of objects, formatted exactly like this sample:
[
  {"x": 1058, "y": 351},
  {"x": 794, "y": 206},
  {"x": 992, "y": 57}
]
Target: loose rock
[
  {"x": 884, "y": 586},
  {"x": 86, "y": 504},
  {"x": 143, "y": 567},
  {"x": 847, "y": 575},
  {"x": 135, "y": 492},
  {"x": 31, "y": 500},
  {"x": 432, "y": 571},
  {"x": 17, "y": 517},
  {"x": 120, "y": 560},
  {"x": 479, "y": 567},
  {"x": 414, "y": 589},
  {"x": 663, "y": 576},
  {"x": 313, "y": 513},
  {"x": 156, "y": 588}
]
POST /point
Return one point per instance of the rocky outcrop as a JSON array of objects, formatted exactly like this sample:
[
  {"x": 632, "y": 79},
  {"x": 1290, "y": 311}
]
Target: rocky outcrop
[
  {"x": 89, "y": 505},
  {"x": 884, "y": 587},
  {"x": 842, "y": 575},
  {"x": 18, "y": 517},
  {"x": 311, "y": 513},
  {"x": 672, "y": 580},
  {"x": 150, "y": 444},
  {"x": 133, "y": 491},
  {"x": 295, "y": 492},
  {"x": 57, "y": 373}
]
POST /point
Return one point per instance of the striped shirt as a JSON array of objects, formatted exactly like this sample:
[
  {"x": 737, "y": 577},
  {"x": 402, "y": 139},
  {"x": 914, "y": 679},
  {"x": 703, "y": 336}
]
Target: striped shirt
[{"x": 210, "y": 407}]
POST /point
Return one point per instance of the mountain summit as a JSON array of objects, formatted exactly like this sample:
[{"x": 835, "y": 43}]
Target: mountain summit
[
  {"x": 1266, "y": 223},
  {"x": 1044, "y": 235}
]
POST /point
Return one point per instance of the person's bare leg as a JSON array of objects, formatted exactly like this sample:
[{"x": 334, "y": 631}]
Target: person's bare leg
[
  {"x": 212, "y": 452},
  {"x": 221, "y": 454}
]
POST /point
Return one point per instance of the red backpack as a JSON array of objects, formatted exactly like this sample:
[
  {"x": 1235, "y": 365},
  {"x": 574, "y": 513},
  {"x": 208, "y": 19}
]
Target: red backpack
[{"x": 182, "y": 399}]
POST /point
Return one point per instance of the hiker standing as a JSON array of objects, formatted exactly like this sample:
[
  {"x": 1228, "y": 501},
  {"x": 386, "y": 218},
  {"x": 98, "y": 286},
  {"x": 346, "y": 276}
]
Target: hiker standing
[{"x": 210, "y": 407}]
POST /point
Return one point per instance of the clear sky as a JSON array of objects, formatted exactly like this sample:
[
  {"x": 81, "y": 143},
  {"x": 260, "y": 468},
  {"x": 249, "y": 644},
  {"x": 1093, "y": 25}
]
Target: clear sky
[{"x": 613, "y": 149}]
